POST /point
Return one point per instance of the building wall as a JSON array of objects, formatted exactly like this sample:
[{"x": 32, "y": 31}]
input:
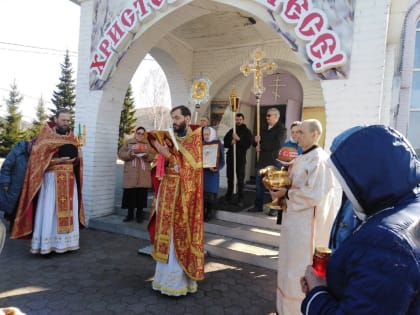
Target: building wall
[
  {"x": 408, "y": 44},
  {"x": 359, "y": 99},
  {"x": 364, "y": 98}
]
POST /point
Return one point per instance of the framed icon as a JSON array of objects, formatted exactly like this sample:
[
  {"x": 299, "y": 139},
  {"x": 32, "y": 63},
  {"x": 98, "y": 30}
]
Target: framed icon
[{"x": 211, "y": 155}]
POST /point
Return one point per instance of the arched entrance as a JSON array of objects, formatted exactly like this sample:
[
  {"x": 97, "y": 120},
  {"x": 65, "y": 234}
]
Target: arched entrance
[{"x": 204, "y": 38}]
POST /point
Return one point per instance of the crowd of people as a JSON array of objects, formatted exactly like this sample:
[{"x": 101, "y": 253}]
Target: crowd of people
[{"x": 361, "y": 201}]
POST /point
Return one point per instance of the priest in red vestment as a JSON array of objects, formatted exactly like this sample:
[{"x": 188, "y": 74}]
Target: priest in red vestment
[
  {"x": 178, "y": 246},
  {"x": 50, "y": 208}
]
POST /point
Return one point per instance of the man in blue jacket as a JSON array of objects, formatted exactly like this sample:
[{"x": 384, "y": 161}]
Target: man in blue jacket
[
  {"x": 12, "y": 174},
  {"x": 376, "y": 270}
]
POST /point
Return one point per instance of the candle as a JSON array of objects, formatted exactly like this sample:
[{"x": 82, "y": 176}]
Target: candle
[
  {"x": 320, "y": 260},
  {"x": 84, "y": 134}
]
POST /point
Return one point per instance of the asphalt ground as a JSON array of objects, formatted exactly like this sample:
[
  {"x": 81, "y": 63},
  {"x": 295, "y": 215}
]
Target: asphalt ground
[{"x": 107, "y": 276}]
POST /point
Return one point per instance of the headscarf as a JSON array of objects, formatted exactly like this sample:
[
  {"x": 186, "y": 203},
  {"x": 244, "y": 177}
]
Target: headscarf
[{"x": 213, "y": 136}]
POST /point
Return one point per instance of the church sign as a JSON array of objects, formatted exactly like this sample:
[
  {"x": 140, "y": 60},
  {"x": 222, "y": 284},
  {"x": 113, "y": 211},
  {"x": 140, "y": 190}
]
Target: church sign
[{"x": 318, "y": 31}]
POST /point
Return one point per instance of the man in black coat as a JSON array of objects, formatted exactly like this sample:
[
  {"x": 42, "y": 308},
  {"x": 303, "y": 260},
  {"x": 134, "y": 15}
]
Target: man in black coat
[
  {"x": 242, "y": 138},
  {"x": 268, "y": 144}
]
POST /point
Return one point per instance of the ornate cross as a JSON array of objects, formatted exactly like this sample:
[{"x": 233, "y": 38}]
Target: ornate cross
[{"x": 259, "y": 68}]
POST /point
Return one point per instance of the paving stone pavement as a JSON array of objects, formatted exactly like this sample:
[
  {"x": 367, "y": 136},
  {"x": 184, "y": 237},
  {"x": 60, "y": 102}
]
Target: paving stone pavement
[{"x": 107, "y": 276}]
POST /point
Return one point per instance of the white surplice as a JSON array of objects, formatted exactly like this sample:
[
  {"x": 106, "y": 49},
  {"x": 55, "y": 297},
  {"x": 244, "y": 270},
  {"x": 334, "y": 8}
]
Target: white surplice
[
  {"x": 170, "y": 278},
  {"x": 314, "y": 199},
  {"x": 45, "y": 238}
]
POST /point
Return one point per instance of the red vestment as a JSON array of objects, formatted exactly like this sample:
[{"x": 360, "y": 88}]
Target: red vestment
[
  {"x": 44, "y": 149},
  {"x": 180, "y": 207}
]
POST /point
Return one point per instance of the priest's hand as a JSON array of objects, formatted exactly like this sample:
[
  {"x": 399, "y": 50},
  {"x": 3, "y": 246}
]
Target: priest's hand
[{"x": 162, "y": 149}]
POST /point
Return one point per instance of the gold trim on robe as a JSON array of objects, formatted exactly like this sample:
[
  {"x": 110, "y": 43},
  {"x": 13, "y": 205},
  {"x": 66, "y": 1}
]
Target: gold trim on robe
[
  {"x": 64, "y": 184},
  {"x": 180, "y": 208},
  {"x": 45, "y": 147}
]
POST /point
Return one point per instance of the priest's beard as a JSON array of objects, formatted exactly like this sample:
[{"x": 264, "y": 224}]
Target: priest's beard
[
  {"x": 180, "y": 128},
  {"x": 61, "y": 130}
]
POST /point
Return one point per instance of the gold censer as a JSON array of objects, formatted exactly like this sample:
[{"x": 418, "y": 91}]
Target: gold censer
[{"x": 274, "y": 178}]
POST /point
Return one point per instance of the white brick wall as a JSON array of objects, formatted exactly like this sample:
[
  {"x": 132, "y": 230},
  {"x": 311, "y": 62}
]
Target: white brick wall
[
  {"x": 364, "y": 98},
  {"x": 359, "y": 100}
]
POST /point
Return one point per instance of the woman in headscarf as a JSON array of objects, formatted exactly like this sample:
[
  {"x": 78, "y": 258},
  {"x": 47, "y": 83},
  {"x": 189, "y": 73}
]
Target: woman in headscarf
[
  {"x": 211, "y": 174},
  {"x": 137, "y": 155}
]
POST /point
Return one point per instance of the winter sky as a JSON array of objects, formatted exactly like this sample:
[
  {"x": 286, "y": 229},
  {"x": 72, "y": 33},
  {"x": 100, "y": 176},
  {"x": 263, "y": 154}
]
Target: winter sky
[{"x": 33, "y": 39}]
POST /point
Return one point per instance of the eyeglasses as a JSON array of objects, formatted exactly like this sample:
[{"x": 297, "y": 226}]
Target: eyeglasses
[
  {"x": 269, "y": 115},
  {"x": 140, "y": 133}
]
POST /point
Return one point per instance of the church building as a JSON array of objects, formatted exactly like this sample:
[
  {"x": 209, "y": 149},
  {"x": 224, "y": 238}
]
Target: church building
[{"x": 344, "y": 62}]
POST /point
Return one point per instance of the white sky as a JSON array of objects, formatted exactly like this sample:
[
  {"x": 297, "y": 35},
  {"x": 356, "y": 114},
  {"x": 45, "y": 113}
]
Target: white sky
[{"x": 51, "y": 25}]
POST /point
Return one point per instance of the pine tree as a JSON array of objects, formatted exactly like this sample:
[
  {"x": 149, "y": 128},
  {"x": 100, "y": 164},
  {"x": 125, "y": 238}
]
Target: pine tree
[
  {"x": 127, "y": 119},
  {"x": 38, "y": 123},
  {"x": 65, "y": 97},
  {"x": 10, "y": 131}
]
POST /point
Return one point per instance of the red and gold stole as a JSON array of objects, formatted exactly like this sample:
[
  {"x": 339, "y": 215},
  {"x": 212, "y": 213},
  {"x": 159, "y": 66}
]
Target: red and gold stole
[
  {"x": 64, "y": 184},
  {"x": 45, "y": 147},
  {"x": 180, "y": 208}
]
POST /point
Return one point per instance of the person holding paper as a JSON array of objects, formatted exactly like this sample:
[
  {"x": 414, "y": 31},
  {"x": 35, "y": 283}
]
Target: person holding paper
[
  {"x": 136, "y": 154},
  {"x": 178, "y": 242},
  {"x": 212, "y": 174}
]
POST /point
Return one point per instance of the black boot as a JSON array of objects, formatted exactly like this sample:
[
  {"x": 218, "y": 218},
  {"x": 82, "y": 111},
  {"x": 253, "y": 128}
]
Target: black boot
[
  {"x": 279, "y": 216},
  {"x": 129, "y": 217},
  {"x": 139, "y": 215},
  {"x": 208, "y": 212}
]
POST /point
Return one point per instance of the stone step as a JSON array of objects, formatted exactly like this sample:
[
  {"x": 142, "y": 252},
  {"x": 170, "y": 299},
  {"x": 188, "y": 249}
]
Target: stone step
[
  {"x": 250, "y": 233},
  {"x": 256, "y": 219},
  {"x": 240, "y": 250},
  {"x": 114, "y": 223},
  {"x": 226, "y": 239},
  {"x": 254, "y": 227}
]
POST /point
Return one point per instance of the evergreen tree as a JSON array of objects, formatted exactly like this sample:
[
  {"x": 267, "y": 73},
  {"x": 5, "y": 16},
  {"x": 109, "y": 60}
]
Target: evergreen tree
[
  {"x": 10, "y": 131},
  {"x": 38, "y": 123},
  {"x": 65, "y": 97},
  {"x": 127, "y": 119}
]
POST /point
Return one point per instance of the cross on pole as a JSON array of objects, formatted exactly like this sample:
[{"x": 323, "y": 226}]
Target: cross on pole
[{"x": 258, "y": 68}]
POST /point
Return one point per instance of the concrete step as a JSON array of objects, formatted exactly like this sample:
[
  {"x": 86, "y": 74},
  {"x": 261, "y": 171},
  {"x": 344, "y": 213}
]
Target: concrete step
[
  {"x": 240, "y": 250},
  {"x": 250, "y": 233},
  {"x": 257, "y": 219},
  {"x": 237, "y": 241},
  {"x": 114, "y": 223}
]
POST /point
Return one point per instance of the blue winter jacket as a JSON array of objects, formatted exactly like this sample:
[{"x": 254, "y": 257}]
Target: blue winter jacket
[
  {"x": 12, "y": 174},
  {"x": 212, "y": 179},
  {"x": 376, "y": 270}
]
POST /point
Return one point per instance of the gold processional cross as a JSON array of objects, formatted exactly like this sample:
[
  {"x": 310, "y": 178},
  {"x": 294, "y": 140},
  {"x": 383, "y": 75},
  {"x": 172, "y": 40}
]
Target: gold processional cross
[{"x": 259, "y": 68}]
